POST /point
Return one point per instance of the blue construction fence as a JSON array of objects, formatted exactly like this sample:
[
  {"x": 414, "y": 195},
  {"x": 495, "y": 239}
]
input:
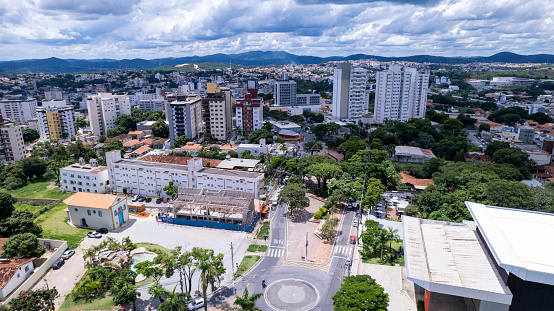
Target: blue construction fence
[{"x": 209, "y": 224}]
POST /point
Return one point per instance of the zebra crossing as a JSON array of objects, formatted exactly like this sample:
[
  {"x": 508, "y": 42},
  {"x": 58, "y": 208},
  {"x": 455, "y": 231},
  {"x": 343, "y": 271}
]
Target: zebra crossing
[
  {"x": 275, "y": 252},
  {"x": 343, "y": 250}
]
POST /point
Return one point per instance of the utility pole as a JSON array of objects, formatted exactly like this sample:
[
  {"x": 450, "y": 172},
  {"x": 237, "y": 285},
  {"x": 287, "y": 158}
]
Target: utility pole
[
  {"x": 360, "y": 208},
  {"x": 232, "y": 261},
  {"x": 306, "y": 246}
]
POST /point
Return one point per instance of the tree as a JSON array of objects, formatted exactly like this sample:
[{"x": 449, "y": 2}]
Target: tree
[
  {"x": 373, "y": 193},
  {"x": 6, "y": 205},
  {"x": 210, "y": 267},
  {"x": 247, "y": 302},
  {"x": 452, "y": 124},
  {"x": 512, "y": 156},
  {"x": 180, "y": 141},
  {"x": 151, "y": 269},
  {"x": 376, "y": 143},
  {"x": 39, "y": 300},
  {"x": 294, "y": 195},
  {"x": 323, "y": 172},
  {"x": 360, "y": 292},
  {"x": 255, "y": 136},
  {"x": 33, "y": 167},
  {"x": 327, "y": 231},
  {"x": 174, "y": 301},
  {"x": 484, "y": 127},
  {"x": 540, "y": 117},
  {"x": 29, "y": 135},
  {"x": 21, "y": 221},
  {"x": 102, "y": 138},
  {"x": 182, "y": 264},
  {"x": 124, "y": 290},
  {"x": 160, "y": 129},
  {"x": 81, "y": 122},
  {"x": 25, "y": 245},
  {"x": 59, "y": 159},
  {"x": 126, "y": 121},
  {"x": 115, "y": 131},
  {"x": 172, "y": 189},
  {"x": 495, "y": 146}
]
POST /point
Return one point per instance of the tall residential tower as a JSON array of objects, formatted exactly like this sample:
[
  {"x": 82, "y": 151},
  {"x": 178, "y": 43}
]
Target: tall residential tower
[
  {"x": 104, "y": 108},
  {"x": 349, "y": 92},
  {"x": 249, "y": 112}
]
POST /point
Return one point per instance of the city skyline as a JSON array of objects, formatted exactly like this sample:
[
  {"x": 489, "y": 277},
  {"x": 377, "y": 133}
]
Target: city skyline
[{"x": 152, "y": 29}]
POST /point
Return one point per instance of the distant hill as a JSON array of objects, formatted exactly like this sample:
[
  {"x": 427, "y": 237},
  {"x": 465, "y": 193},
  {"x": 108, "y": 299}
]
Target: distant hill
[{"x": 254, "y": 58}]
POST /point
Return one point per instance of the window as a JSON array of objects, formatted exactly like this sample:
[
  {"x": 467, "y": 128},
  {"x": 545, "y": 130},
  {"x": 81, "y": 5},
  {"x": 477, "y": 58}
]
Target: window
[
  {"x": 88, "y": 212},
  {"x": 115, "y": 213},
  {"x": 94, "y": 212},
  {"x": 124, "y": 206},
  {"x": 99, "y": 213},
  {"x": 75, "y": 209}
]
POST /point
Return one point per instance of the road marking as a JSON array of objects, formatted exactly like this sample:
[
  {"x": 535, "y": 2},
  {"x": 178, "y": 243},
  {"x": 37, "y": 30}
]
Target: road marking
[
  {"x": 278, "y": 242},
  {"x": 308, "y": 265},
  {"x": 275, "y": 252},
  {"x": 343, "y": 249}
]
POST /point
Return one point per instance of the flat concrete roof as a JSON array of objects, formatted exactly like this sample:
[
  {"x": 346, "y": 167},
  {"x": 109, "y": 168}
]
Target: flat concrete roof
[
  {"x": 515, "y": 238},
  {"x": 237, "y": 162},
  {"x": 450, "y": 258}
]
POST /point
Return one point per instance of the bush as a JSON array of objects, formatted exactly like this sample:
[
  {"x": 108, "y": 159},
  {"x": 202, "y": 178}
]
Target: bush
[
  {"x": 12, "y": 183},
  {"x": 318, "y": 215},
  {"x": 323, "y": 211}
]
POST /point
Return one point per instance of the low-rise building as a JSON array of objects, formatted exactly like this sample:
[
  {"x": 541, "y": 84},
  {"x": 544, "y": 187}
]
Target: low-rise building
[
  {"x": 278, "y": 126},
  {"x": 88, "y": 138},
  {"x": 94, "y": 210},
  {"x": 13, "y": 272},
  {"x": 412, "y": 154},
  {"x": 81, "y": 177},
  {"x": 238, "y": 164},
  {"x": 255, "y": 149}
]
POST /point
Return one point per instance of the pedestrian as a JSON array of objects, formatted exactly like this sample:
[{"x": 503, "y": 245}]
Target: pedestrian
[{"x": 149, "y": 308}]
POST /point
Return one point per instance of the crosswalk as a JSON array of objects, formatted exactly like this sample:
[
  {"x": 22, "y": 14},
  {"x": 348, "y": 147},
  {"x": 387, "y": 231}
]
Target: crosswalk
[
  {"x": 278, "y": 242},
  {"x": 275, "y": 252},
  {"x": 343, "y": 250}
]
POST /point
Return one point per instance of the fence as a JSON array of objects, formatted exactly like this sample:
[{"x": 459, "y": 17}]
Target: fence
[
  {"x": 47, "y": 207},
  {"x": 61, "y": 247},
  {"x": 209, "y": 224},
  {"x": 41, "y": 201}
]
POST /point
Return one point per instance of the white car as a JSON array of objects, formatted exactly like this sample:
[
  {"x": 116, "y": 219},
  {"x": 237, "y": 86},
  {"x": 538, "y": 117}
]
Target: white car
[
  {"x": 355, "y": 223},
  {"x": 196, "y": 303},
  {"x": 67, "y": 254},
  {"x": 135, "y": 198}
]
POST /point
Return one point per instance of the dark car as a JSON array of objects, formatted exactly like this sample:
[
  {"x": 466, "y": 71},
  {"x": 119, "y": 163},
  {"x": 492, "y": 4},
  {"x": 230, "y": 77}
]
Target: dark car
[
  {"x": 159, "y": 200},
  {"x": 148, "y": 200},
  {"x": 102, "y": 230},
  {"x": 141, "y": 199},
  {"x": 58, "y": 264}
]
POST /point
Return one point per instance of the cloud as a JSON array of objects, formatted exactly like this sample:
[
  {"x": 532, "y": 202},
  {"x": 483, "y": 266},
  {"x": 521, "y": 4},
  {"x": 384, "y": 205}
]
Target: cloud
[{"x": 95, "y": 7}]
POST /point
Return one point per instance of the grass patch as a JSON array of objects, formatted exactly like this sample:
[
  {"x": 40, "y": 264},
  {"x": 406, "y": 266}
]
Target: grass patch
[
  {"x": 326, "y": 216},
  {"x": 38, "y": 189},
  {"x": 376, "y": 258},
  {"x": 257, "y": 248},
  {"x": 28, "y": 206},
  {"x": 247, "y": 262},
  {"x": 154, "y": 248},
  {"x": 264, "y": 230},
  {"x": 54, "y": 226},
  {"x": 100, "y": 303},
  {"x": 145, "y": 282},
  {"x": 394, "y": 219}
]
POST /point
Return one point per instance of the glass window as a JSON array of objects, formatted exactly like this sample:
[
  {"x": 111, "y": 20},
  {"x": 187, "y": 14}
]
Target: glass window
[
  {"x": 124, "y": 206},
  {"x": 99, "y": 213},
  {"x": 115, "y": 213},
  {"x": 88, "y": 212}
]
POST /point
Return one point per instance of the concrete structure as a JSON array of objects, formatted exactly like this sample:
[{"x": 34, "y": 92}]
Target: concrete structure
[
  {"x": 217, "y": 113},
  {"x": 19, "y": 110},
  {"x": 278, "y": 126},
  {"x": 526, "y": 134},
  {"x": 412, "y": 154},
  {"x": 52, "y": 95},
  {"x": 308, "y": 99},
  {"x": 12, "y": 146},
  {"x": 401, "y": 94},
  {"x": 541, "y": 157},
  {"x": 185, "y": 118},
  {"x": 135, "y": 99},
  {"x": 33, "y": 124},
  {"x": 285, "y": 93},
  {"x": 150, "y": 173},
  {"x": 88, "y": 138},
  {"x": 152, "y": 104},
  {"x": 147, "y": 125},
  {"x": 249, "y": 112},
  {"x": 94, "y": 210},
  {"x": 255, "y": 149},
  {"x": 349, "y": 92},
  {"x": 81, "y": 177},
  {"x": 56, "y": 122},
  {"x": 238, "y": 164},
  {"x": 104, "y": 108}
]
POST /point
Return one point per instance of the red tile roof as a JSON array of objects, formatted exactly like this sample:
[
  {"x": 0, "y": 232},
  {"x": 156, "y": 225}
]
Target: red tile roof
[
  {"x": 178, "y": 160},
  {"x": 417, "y": 182},
  {"x": 8, "y": 269}
]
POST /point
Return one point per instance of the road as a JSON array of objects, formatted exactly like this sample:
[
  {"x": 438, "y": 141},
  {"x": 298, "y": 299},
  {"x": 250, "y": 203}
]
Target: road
[{"x": 293, "y": 285}]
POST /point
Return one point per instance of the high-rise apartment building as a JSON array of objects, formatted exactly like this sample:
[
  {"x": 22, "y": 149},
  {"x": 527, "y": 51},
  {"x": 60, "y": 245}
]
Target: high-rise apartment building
[
  {"x": 401, "y": 94},
  {"x": 249, "y": 112},
  {"x": 285, "y": 93},
  {"x": 12, "y": 146},
  {"x": 349, "y": 92},
  {"x": 217, "y": 113},
  {"x": 104, "y": 108},
  {"x": 185, "y": 117},
  {"x": 19, "y": 110},
  {"x": 56, "y": 122}
]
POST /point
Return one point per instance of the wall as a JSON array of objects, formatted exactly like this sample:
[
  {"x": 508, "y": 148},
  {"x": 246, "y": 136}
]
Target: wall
[
  {"x": 17, "y": 279},
  {"x": 93, "y": 220},
  {"x": 215, "y": 225},
  {"x": 35, "y": 277}
]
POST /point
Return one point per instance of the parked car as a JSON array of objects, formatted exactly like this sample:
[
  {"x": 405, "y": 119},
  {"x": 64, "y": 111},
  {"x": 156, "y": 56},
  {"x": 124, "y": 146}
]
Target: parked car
[
  {"x": 355, "y": 222},
  {"x": 352, "y": 239},
  {"x": 348, "y": 261},
  {"x": 196, "y": 303},
  {"x": 135, "y": 198},
  {"x": 141, "y": 199},
  {"x": 67, "y": 254},
  {"x": 349, "y": 205},
  {"x": 159, "y": 200},
  {"x": 94, "y": 235},
  {"x": 58, "y": 264},
  {"x": 166, "y": 200},
  {"x": 102, "y": 230},
  {"x": 148, "y": 200}
]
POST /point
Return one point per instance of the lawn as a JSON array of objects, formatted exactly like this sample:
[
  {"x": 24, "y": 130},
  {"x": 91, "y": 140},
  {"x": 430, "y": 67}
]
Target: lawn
[
  {"x": 257, "y": 248},
  {"x": 30, "y": 206},
  {"x": 38, "y": 189},
  {"x": 247, "y": 262},
  {"x": 54, "y": 226},
  {"x": 264, "y": 230},
  {"x": 100, "y": 303},
  {"x": 154, "y": 248},
  {"x": 376, "y": 259}
]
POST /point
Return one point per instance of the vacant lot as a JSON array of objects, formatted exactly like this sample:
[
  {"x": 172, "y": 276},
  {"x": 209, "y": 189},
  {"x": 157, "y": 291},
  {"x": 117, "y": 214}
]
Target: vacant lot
[
  {"x": 43, "y": 188},
  {"x": 54, "y": 226}
]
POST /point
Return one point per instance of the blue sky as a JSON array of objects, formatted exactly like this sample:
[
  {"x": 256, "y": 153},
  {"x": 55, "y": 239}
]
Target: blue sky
[{"x": 171, "y": 28}]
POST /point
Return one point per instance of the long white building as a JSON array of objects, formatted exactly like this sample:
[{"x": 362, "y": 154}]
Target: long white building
[
  {"x": 349, "y": 84},
  {"x": 104, "y": 108},
  {"x": 20, "y": 110},
  {"x": 147, "y": 177},
  {"x": 185, "y": 117},
  {"x": 82, "y": 177},
  {"x": 401, "y": 94}
]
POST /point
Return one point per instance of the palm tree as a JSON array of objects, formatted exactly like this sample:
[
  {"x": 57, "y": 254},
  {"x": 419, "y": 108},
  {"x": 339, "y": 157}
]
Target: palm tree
[
  {"x": 210, "y": 267},
  {"x": 238, "y": 131},
  {"x": 174, "y": 301},
  {"x": 246, "y": 302}
]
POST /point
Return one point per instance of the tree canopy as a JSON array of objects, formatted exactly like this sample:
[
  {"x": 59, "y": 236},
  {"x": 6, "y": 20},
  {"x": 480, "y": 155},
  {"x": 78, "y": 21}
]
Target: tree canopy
[
  {"x": 360, "y": 293},
  {"x": 25, "y": 245}
]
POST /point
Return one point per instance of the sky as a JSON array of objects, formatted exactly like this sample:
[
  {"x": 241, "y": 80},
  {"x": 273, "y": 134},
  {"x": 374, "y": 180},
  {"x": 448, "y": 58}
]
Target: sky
[{"x": 119, "y": 29}]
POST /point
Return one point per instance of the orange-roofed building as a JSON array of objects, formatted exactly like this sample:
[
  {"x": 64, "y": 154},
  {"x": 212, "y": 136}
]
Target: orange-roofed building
[
  {"x": 139, "y": 152},
  {"x": 94, "y": 210},
  {"x": 191, "y": 147},
  {"x": 131, "y": 145},
  {"x": 416, "y": 183},
  {"x": 140, "y": 134}
]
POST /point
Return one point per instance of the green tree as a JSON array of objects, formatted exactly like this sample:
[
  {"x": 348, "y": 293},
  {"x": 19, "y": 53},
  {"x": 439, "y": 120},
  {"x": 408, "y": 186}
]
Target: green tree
[
  {"x": 20, "y": 221},
  {"x": 323, "y": 172},
  {"x": 126, "y": 121},
  {"x": 452, "y": 124},
  {"x": 540, "y": 117},
  {"x": 484, "y": 127},
  {"x": 39, "y": 300},
  {"x": 512, "y": 156},
  {"x": 160, "y": 129},
  {"x": 360, "y": 292},
  {"x": 124, "y": 290},
  {"x": 25, "y": 245},
  {"x": 33, "y": 167},
  {"x": 431, "y": 167},
  {"x": 180, "y": 141},
  {"x": 174, "y": 301},
  {"x": 102, "y": 138},
  {"x": 172, "y": 189},
  {"x": 118, "y": 130},
  {"x": 247, "y": 302},
  {"x": 210, "y": 267},
  {"x": 255, "y": 136},
  {"x": 376, "y": 143},
  {"x": 327, "y": 231},
  {"x": 29, "y": 135},
  {"x": 6, "y": 205},
  {"x": 81, "y": 122},
  {"x": 495, "y": 146},
  {"x": 373, "y": 193},
  {"x": 294, "y": 195}
]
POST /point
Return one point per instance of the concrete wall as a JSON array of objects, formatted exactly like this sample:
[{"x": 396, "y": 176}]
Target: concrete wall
[{"x": 61, "y": 247}]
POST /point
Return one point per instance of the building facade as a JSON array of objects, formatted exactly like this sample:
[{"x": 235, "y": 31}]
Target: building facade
[
  {"x": 19, "y": 111},
  {"x": 94, "y": 210},
  {"x": 12, "y": 146},
  {"x": 217, "y": 114},
  {"x": 149, "y": 177},
  {"x": 349, "y": 92},
  {"x": 185, "y": 117},
  {"x": 401, "y": 94},
  {"x": 56, "y": 122},
  {"x": 249, "y": 112},
  {"x": 308, "y": 99},
  {"x": 103, "y": 110},
  {"x": 285, "y": 93},
  {"x": 82, "y": 177}
]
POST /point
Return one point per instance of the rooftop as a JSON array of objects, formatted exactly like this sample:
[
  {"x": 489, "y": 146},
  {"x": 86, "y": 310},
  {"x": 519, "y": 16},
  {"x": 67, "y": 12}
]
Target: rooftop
[
  {"x": 231, "y": 163},
  {"x": 76, "y": 167},
  {"x": 131, "y": 143},
  {"x": 178, "y": 160},
  {"x": 450, "y": 258},
  {"x": 219, "y": 171},
  {"x": 403, "y": 150},
  {"x": 9, "y": 267},
  {"x": 92, "y": 200},
  {"x": 511, "y": 235},
  {"x": 141, "y": 150},
  {"x": 419, "y": 183}
]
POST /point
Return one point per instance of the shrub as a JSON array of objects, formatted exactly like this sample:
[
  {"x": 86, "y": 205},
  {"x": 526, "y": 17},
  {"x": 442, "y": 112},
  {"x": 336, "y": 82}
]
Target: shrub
[
  {"x": 323, "y": 211},
  {"x": 318, "y": 215}
]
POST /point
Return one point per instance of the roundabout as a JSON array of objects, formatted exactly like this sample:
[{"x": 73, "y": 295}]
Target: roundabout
[{"x": 291, "y": 295}]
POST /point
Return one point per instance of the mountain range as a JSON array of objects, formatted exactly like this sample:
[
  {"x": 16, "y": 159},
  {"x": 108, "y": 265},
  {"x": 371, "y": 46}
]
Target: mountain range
[{"x": 254, "y": 58}]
